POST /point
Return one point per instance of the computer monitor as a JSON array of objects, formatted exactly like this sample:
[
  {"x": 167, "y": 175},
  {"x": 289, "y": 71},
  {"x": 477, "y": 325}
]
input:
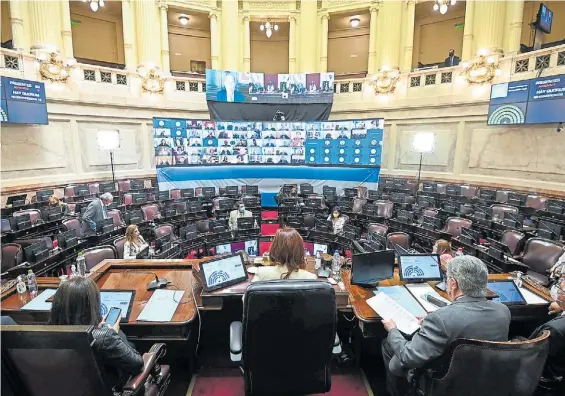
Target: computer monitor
[
  {"x": 397, "y": 197},
  {"x": 399, "y": 183},
  {"x": 36, "y": 252},
  {"x": 188, "y": 233},
  {"x": 218, "y": 226},
  {"x": 106, "y": 187},
  {"x": 222, "y": 272},
  {"x": 208, "y": 192},
  {"x": 139, "y": 198},
  {"x": 122, "y": 299},
  {"x": 289, "y": 202},
  {"x": 507, "y": 291},
  {"x": 555, "y": 206},
  {"x": 453, "y": 189},
  {"x": 429, "y": 187},
  {"x": 137, "y": 184},
  {"x": 194, "y": 207},
  {"x": 224, "y": 248},
  {"x": 431, "y": 222},
  {"x": 51, "y": 213},
  {"x": 544, "y": 19},
  {"x": 418, "y": 268},
  {"x": 513, "y": 220},
  {"x": 313, "y": 202},
  {"x": 503, "y": 248},
  {"x": 321, "y": 236},
  {"x": 449, "y": 207},
  {"x": 549, "y": 230},
  {"x": 43, "y": 195},
  {"x": 328, "y": 191},
  {"x": 250, "y": 202},
  {"x": 133, "y": 217},
  {"x": 163, "y": 243},
  {"x": 269, "y": 229},
  {"x": 425, "y": 202},
  {"x": 350, "y": 192},
  {"x": 67, "y": 239},
  {"x": 251, "y": 189},
  {"x": 246, "y": 223},
  {"x": 306, "y": 189},
  {"x": 324, "y": 225},
  {"x": 16, "y": 200},
  {"x": 232, "y": 190},
  {"x": 405, "y": 216},
  {"x": 162, "y": 195},
  {"x": 320, "y": 247},
  {"x": 104, "y": 226},
  {"x": 488, "y": 195},
  {"x": 20, "y": 222},
  {"x": 517, "y": 199},
  {"x": 481, "y": 212},
  {"x": 251, "y": 247},
  {"x": 367, "y": 269},
  {"x": 169, "y": 211},
  {"x": 82, "y": 190},
  {"x": 374, "y": 195},
  {"x": 352, "y": 229},
  {"x": 226, "y": 204},
  {"x": 295, "y": 222},
  {"x": 187, "y": 193}
]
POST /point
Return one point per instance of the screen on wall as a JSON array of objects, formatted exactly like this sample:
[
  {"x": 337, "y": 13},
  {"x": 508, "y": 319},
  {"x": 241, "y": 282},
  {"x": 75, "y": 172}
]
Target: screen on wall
[
  {"x": 239, "y": 87},
  {"x": 23, "y": 101},
  {"x": 198, "y": 142},
  {"x": 535, "y": 101}
]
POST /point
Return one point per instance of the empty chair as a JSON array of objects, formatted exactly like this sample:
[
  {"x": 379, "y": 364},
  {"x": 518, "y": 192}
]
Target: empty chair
[
  {"x": 150, "y": 212},
  {"x": 540, "y": 255},
  {"x": 358, "y": 205},
  {"x": 384, "y": 209},
  {"x": 412, "y": 186},
  {"x": 498, "y": 210},
  {"x": 164, "y": 230},
  {"x": 12, "y": 255},
  {"x": 537, "y": 202},
  {"x": 175, "y": 194},
  {"x": 501, "y": 196},
  {"x": 514, "y": 240},
  {"x": 34, "y": 214},
  {"x": 203, "y": 226},
  {"x": 128, "y": 199},
  {"x": 401, "y": 239},
  {"x": 94, "y": 188},
  {"x": 441, "y": 188},
  {"x": 180, "y": 207},
  {"x": 73, "y": 224},
  {"x": 23, "y": 242},
  {"x": 74, "y": 366},
  {"x": 385, "y": 197},
  {"x": 430, "y": 212},
  {"x": 466, "y": 209},
  {"x": 119, "y": 246},
  {"x": 116, "y": 216},
  {"x": 410, "y": 200},
  {"x": 69, "y": 191},
  {"x": 474, "y": 367},
  {"x": 362, "y": 192},
  {"x": 309, "y": 221},
  {"x": 377, "y": 228},
  {"x": 72, "y": 207},
  {"x": 453, "y": 225},
  {"x": 124, "y": 186},
  {"x": 95, "y": 255},
  {"x": 294, "y": 321},
  {"x": 469, "y": 191}
]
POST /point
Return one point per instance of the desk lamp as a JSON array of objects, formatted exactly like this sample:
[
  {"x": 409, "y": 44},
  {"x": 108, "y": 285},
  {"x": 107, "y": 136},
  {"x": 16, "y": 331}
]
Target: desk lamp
[
  {"x": 109, "y": 140},
  {"x": 423, "y": 143}
]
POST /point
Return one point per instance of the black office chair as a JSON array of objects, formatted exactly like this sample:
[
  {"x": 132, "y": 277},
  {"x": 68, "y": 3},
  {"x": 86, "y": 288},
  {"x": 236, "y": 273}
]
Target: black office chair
[
  {"x": 287, "y": 336},
  {"x": 59, "y": 360},
  {"x": 473, "y": 367}
]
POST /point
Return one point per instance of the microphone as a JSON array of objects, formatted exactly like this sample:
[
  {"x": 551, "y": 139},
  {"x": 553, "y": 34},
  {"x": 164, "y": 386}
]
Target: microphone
[{"x": 154, "y": 284}]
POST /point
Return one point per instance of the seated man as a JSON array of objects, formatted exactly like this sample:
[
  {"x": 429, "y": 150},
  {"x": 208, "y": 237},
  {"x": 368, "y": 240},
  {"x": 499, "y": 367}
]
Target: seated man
[
  {"x": 470, "y": 315},
  {"x": 236, "y": 214}
]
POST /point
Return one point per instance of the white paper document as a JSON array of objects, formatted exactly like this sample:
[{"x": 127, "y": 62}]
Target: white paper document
[
  {"x": 532, "y": 298},
  {"x": 387, "y": 308},
  {"x": 161, "y": 306},
  {"x": 40, "y": 303},
  {"x": 419, "y": 290}
]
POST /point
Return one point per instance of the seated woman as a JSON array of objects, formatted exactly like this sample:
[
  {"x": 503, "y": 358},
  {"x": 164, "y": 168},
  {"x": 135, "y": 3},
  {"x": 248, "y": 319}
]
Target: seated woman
[
  {"x": 77, "y": 302},
  {"x": 443, "y": 248},
  {"x": 134, "y": 242},
  {"x": 54, "y": 202},
  {"x": 337, "y": 219},
  {"x": 287, "y": 257}
]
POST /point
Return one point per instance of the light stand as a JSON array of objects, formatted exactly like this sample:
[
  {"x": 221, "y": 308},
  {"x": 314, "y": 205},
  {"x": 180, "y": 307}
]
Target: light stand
[
  {"x": 109, "y": 140},
  {"x": 114, "y": 176},
  {"x": 423, "y": 142}
]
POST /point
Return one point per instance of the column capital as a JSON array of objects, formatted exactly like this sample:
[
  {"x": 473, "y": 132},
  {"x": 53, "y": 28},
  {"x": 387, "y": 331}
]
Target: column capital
[
  {"x": 246, "y": 18},
  {"x": 411, "y": 2},
  {"x": 163, "y": 6},
  {"x": 213, "y": 14},
  {"x": 292, "y": 18},
  {"x": 325, "y": 15},
  {"x": 373, "y": 8}
]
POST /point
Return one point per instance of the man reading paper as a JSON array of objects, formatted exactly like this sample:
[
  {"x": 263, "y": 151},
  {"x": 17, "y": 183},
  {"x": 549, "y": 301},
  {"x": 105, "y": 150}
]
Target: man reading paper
[{"x": 470, "y": 315}]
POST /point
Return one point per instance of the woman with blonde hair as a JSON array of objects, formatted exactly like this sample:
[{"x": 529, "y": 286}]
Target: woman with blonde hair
[
  {"x": 443, "y": 248},
  {"x": 54, "y": 202},
  {"x": 134, "y": 242}
]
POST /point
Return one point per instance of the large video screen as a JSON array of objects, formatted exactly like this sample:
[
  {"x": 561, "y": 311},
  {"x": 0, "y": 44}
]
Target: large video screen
[
  {"x": 22, "y": 101},
  {"x": 239, "y": 87},
  {"x": 536, "y": 101},
  {"x": 200, "y": 142}
]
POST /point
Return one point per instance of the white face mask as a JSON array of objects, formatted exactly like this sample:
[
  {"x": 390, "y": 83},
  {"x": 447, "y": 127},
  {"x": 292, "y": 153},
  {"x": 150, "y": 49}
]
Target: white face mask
[
  {"x": 434, "y": 250},
  {"x": 554, "y": 293}
]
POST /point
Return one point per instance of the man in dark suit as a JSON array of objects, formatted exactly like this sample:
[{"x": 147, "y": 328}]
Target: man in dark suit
[
  {"x": 451, "y": 60},
  {"x": 97, "y": 210},
  {"x": 470, "y": 315}
]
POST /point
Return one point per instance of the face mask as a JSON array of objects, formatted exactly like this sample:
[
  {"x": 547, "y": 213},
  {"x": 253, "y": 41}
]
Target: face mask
[
  {"x": 242, "y": 209},
  {"x": 434, "y": 250},
  {"x": 336, "y": 215},
  {"x": 554, "y": 293}
]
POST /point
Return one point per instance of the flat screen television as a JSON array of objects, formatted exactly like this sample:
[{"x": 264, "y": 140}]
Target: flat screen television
[{"x": 544, "y": 18}]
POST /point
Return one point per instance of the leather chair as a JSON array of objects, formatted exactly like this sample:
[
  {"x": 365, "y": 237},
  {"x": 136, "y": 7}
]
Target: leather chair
[
  {"x": 95, "y": 255},
  {"x": 23, "y": 242},
  {"x": 345, "y": 218},
  {"x": 76, "y": 368},
  {"x": 453, "y": 225},
  {"x": 6, "y": 226},
  {"x": 473, "y": 367},
  {"x": 164, "y": 230},
  {"x": 180, "y": 207},
  {"x": 309, "y": 221},
  {"x": 537, "y": 202},
  {"x": 116, "y": 216},
  {"x": 410, "y": 200},
  {"x": 124, "y": 186},
  {"x": 94, "y": 188},
  {"x": 203, "y": 226},
  {"x": 466, "y": 209},
  {"x": 73, "y": 224},
  {"x": 362, "y": 192},
  {"x": 401, "y": 239},
  {"x": 128, "y": 199},
  {"x": 498, "y": 210},
  {"x": 69, "y": 191},
  {"x": 430, "y": 212},
  {"x": 72, "y": 207},
  {"x": 385, "y": 197},
  {"x": 412, "y": 186},
  {"x": 358, "y": 205},
  {"x": 175, "y": 194},
  {"x": 286, "y": 338},
  {"x": 150, "y": 212},
  {"x": 384, "y": 209},
  {"x": 34, "y": 214},
  {"x": 381, "y": 229},
  {"x": 469, "y": 191},
  {"x": 514, "y": 240},
  {"x": 540, "y": 255},
  {"x": 119, "y": 246},
  {"x": 441, "y": 188},
  {"x": 12, "y": 255},
  {"x": 501, "y": 196}
]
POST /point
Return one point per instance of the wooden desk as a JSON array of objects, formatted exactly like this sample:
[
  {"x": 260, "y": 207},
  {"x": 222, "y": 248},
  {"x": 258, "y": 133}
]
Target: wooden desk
[{"x": 370, "y": 322}]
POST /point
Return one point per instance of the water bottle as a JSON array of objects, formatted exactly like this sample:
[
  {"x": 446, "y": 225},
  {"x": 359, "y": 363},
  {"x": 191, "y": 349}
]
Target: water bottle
[
  {"x": 21, "y": 285},
  {"x": 336, "y": 265},
  {"x": 31, "y": 282},
  {"x": 255, "y": 225},
  {"x": 74, "y": 272},
  {"x": 318, "y": 261},
  {"x": 81, "y": 265},
  {"x": 459, "y": 252}
]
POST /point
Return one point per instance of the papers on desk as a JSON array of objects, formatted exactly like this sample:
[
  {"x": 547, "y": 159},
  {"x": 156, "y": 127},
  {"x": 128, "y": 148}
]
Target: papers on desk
[
  {"x": 532, "y": 298},
  {"x": 402, "y": 296},
  {"x": 388, "y": 308},
  {"x": 40, "y": 303},
  {"x": 161, "y": 306},
  {"x": 419, "y": 290}
]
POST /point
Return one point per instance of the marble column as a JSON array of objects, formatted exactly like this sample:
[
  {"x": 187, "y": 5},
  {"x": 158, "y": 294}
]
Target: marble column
[
  {"x": 66, "y": 32},
  {"x": 130, "y": 51},
  {"x": 165, "y": 58},
  {"x": 324, "y": 38},
  {"x": 409, "y": 44},
  {"x": 372, "y": 66},
  {"x": 489, "y": 26},
  {"x": 308, "y": 36},
  {"x": 231, "y": 35},
  {"x": 214, "y": 41},
  {"x": 45, "y": 25},
  {"x": 468, "y": 38},
  {"x": 513, "y": 28},
  {"x": 292, "y": 45},
  {"x": 389, "y": 32},
  {"x": 147, "y": 32},
  {"x": 246, "y": 44},
  {"x": 19, "y": 37}
]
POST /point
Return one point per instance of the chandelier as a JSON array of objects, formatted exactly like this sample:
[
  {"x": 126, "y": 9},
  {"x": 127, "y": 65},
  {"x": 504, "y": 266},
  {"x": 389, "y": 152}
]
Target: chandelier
[
  {"x": 443, "y": 5},
  {"x": 94, "y": 4},
  {"x": 268, "y": 28}
]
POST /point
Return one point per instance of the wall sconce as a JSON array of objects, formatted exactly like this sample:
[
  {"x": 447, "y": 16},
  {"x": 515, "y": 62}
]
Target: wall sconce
[
  {"x": 384, "y": 82},
  {"x": 481, "y": 70},
  {"x": 151, "y": 79},
  {"x": 53, "y": 68}
]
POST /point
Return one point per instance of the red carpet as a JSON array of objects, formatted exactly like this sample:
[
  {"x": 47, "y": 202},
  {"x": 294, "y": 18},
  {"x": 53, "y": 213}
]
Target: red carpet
[{"x": 230, "y": 383}]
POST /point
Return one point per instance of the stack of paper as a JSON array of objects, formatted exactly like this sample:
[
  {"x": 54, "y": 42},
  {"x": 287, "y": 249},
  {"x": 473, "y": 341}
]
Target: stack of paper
[
  {"x": 161, "y": 306},
  {"x": 403, "y": 297},
  {"x": 387, "y": 308},
  {"x": 419, "y": 290}
]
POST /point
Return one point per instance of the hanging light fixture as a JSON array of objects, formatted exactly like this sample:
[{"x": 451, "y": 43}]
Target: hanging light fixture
[
  {"x": 355, "y": 21},
  {"x": 94, "y": 4},
  {"x": 443, "y": 5},
  {"x": 268, "y": 28},
  {"x": 183, "y": 19}
]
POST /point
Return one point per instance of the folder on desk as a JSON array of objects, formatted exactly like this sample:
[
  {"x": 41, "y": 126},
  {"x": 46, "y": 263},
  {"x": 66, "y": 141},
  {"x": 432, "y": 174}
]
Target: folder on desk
[
  {"x": 40, "y": 302},
  {"x": 161, "y": 306},
  {"x": 388, "y": 308},
  {"x": 402, "y": 297}
]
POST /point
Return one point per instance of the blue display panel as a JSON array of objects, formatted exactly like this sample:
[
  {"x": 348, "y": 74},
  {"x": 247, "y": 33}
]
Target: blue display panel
[
  {"x": 194, "y": 142},
  {"x": 23, "y": 101},
  {"x": 536, "y": 101}
]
